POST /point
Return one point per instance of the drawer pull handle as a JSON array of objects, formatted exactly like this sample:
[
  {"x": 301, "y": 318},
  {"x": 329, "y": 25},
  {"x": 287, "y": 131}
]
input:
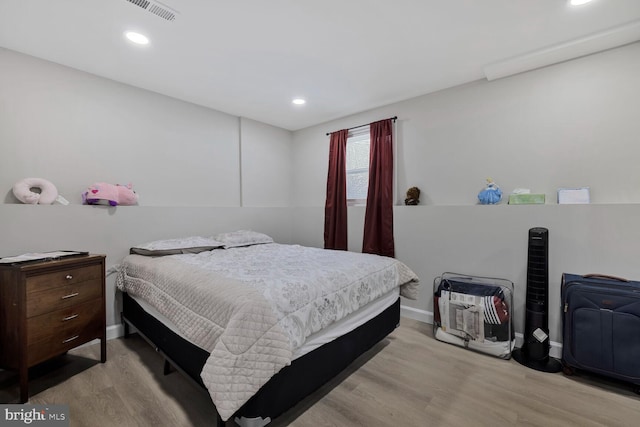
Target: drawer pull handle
[
  {"x": 73, "y": 316},
  {"x": 75, "y": 294},
  {"x": 70, "y": 339},
  {"x": 69, "y": 277}
]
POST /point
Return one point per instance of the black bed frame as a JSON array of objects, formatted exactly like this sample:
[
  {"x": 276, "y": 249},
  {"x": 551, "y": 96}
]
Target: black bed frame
[{"x": 289, "y": 386}]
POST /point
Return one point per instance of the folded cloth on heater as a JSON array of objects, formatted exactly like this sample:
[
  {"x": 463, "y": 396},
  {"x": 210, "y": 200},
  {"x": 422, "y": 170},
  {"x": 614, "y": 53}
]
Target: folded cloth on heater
[
  {"x": 470, "y": 288},
  {"x": 496, "y": 311},
  {"x": 499, "y": 348}
]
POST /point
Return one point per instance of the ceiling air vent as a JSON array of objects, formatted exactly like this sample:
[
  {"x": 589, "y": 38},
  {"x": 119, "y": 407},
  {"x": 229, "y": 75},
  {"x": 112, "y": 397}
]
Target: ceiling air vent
[{"x": 156, "y": 8}]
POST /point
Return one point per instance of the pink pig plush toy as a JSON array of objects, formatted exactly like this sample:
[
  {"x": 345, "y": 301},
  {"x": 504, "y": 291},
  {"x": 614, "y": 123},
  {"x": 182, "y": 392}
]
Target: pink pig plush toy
[{"x": 102, "y": 193}]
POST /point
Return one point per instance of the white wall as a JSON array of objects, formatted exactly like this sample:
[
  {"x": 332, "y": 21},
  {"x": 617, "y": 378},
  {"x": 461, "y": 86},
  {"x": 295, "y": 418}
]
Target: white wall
[
  {"x": 266, "y": 164},
  {"x": 200, "y": 171},
  {"x": 572, "y": 124},
  {"x": 113, "y": 230},
  {"x": 197, "y": 171},
  {"x": 74, "y": 129}
]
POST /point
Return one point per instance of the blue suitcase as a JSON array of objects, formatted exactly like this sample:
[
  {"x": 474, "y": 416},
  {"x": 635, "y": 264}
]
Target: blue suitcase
[{"x": 601, "y": 326}]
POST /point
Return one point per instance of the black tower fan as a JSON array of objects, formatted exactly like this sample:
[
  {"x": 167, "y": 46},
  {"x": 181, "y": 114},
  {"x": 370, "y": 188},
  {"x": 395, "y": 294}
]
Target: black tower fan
[{"x": 534, "y": 352}]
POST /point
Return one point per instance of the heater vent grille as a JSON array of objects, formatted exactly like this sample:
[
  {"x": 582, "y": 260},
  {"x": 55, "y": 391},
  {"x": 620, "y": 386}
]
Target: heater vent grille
[
  {"x": 156, "y": 8},
  {"x": 142, "y": 3}
]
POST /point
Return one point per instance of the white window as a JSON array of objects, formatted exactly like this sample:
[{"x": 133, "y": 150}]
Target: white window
[{"x": 358, "y": 165}]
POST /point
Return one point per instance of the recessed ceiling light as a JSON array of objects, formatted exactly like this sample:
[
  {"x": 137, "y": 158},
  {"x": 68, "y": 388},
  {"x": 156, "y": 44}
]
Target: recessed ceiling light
[
  {"x": 299, "y": 101},
  {"x": 136, "y": 38},
  {"x": 579, "y": 2}
]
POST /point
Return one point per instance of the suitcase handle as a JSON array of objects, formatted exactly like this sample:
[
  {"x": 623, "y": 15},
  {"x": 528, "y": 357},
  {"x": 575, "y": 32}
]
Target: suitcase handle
[{"x": 605, "y": 276}]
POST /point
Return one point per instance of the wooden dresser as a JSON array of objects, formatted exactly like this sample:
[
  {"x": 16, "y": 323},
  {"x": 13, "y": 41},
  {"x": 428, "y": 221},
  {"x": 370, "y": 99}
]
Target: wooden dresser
[{"x": 48, "y": 308}]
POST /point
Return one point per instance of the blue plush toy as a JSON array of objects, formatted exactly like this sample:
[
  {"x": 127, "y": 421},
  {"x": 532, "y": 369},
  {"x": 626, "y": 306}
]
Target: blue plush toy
[{"x": 491, "y": 194}]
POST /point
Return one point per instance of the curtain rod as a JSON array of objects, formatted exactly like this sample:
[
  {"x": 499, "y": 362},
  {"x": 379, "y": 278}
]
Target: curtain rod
[{"x": 394, "y": 118}]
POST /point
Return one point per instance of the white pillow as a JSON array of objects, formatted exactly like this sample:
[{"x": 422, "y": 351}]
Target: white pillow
[
  {"x": 48, "y": 192},
  {"x": 180, "y": 245},
  {"x": 238, "y": 238}
]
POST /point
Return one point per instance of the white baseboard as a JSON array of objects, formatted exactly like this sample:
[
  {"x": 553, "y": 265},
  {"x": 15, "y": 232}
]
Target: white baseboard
[
  {"x": 416, "y": 314},
  {"x": 115, "y": 331},
  {"x": 424, "y": 316}
]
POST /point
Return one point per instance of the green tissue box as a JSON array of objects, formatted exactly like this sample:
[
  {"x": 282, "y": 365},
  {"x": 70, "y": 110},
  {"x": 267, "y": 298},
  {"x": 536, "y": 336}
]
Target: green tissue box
[{"x": 526, "y": 199}]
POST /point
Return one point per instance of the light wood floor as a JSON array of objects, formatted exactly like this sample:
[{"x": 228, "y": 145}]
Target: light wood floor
[{"x": 409, "y": 379}]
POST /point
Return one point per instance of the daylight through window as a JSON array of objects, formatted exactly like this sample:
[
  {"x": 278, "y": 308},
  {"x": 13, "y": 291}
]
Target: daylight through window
[{"x": 358, "y": 165}]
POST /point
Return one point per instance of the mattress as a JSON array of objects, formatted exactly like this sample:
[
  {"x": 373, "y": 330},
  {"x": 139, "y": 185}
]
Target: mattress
[{"x": 324, "y": 336}]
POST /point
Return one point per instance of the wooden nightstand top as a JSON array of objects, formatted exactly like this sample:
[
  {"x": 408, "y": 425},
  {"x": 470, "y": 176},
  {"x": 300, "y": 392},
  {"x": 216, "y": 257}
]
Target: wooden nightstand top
[{"x": 75, "y": 260}]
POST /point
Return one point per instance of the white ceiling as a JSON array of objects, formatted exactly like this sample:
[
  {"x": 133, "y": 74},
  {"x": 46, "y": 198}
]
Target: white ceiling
[{"x": 249, "y": 58}]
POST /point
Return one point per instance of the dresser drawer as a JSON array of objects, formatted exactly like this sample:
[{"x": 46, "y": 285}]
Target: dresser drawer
[
  {"x": 62, "y": 297},
  {"x": 62, "y": 340},
  {"x": 71, "y": 318},
  {"x": 63, "y": 277},
  {"x": 49, "y": 307}
]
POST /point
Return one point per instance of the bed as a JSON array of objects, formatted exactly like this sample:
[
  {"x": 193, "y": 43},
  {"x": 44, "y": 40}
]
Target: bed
[{"x": 259, "y": 324}]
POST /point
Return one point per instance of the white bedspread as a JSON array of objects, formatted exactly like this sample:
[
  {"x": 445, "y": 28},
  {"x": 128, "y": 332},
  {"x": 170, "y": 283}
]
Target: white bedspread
[{"x": 251, "y": 307}]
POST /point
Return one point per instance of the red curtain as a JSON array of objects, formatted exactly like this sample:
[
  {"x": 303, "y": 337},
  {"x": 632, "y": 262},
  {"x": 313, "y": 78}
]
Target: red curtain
[
  {"x": 378, "y": 220},
  {"x": 335, "y": 209}
]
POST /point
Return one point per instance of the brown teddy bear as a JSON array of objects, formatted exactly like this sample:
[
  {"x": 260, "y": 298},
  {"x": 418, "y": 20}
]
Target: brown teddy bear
[{"x": 413, "y": 196}]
